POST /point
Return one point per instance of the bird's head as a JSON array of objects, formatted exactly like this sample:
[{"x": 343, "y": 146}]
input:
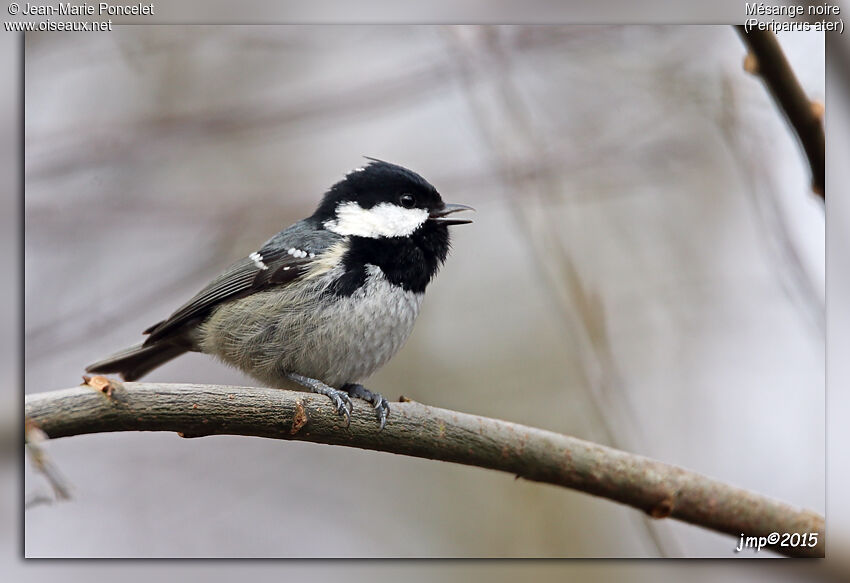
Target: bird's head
[{"x": 383, "y": 200}]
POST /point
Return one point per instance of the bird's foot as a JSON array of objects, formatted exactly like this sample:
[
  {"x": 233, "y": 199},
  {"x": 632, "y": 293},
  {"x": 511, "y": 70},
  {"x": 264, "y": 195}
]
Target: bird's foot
[
  {"x": 340, "y": 399},
  {"x": 382, "y": 407}
]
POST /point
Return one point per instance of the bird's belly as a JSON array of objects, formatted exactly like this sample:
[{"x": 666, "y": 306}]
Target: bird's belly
[
  {"x": 337, "y": 340},
  {"x": 355, "y": 337}
]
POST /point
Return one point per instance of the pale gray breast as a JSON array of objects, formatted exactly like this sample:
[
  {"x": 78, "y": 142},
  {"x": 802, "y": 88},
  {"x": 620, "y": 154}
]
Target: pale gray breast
[{"x": 335, "y": 340}]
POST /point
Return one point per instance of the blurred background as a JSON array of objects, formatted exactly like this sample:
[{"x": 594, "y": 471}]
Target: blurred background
[{"x": 645, "y": 270}]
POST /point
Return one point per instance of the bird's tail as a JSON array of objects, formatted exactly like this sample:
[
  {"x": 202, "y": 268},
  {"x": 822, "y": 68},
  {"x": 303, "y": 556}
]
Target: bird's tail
[{"x": 138, "y": 360}]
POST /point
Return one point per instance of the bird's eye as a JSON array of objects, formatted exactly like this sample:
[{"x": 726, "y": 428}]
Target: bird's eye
[{"x": 407, "y": 201}]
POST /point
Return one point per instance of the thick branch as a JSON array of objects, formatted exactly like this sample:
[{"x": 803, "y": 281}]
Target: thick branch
[
  {"x": 414, "y": 429},
  {"x": 806, "y": 119}
]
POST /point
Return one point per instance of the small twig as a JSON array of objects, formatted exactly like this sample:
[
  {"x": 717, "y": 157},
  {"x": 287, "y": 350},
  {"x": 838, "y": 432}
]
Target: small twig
[
  {"x": 33, "y": 438},
  {"x": 767, "y": 60},
  {"x": 413, "y": 429}
]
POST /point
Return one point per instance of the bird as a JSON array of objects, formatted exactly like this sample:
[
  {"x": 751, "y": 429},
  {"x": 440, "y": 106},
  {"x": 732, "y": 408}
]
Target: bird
[{"x": 322, "y": 304}]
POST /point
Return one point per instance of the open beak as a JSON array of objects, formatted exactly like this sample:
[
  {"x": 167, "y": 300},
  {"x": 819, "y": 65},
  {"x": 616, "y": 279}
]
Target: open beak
[{"x": 439, "y": 216}]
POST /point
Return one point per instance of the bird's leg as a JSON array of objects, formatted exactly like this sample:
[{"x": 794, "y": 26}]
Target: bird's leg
[
  {"x": 339, "y": 398},
  {"x": 382, "y": 408}
]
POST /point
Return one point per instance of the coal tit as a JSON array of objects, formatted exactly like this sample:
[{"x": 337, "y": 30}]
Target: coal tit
[{"x": 324, "y": 303}]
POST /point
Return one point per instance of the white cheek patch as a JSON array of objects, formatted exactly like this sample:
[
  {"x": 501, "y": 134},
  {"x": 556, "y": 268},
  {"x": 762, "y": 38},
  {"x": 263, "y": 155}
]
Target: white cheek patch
[{"x": 382, "y": 220}]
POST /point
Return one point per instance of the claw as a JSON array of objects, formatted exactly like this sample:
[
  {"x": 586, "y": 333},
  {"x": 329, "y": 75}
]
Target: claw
[
  {"x": 343, "y": 405},
  {"x": 340, "y": 399},
  {"x": 382, "y": 407},
  {"x": 345, "y": 408},
  {"x": 382, "y": 410}
]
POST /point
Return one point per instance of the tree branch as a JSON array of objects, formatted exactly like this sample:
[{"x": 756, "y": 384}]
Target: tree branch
[
  {"x": 804, "y": 116},
  {"x": 417, "y": 430}
]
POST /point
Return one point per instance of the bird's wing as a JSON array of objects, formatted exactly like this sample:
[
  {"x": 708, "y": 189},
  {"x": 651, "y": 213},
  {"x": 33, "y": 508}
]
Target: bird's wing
[{"x": 282, "y": 259}]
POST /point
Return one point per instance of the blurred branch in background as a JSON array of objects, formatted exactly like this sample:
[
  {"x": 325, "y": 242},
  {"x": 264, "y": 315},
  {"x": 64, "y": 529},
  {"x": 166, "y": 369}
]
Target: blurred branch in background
[
  {"x": 526, "y": 164},
  {"x": 767, "y": 60},
  {"x": 661, "y": 490},
  {"x": 774, "y": 222},
  {"x": 65, "y": 153},
  {"x": 53, "y": 336}
]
